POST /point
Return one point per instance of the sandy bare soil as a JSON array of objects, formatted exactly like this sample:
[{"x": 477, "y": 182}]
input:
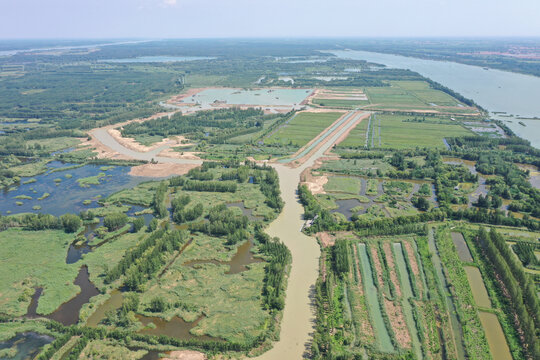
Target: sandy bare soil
[
  {"x": 328, "y": 239},
  {"x": 176, "y": 100},
  {"x": 340, "y": 95},
  {"x": 397, "y": 320},
  {"x": 365, "y": 326},
  {"x": 161, "y": 169},
  {"x": 103, "y": 151},
  {"x": 316, "y": 184},
  {"x": 185, "y": 355},
  {"x": 173, "y": 154}
]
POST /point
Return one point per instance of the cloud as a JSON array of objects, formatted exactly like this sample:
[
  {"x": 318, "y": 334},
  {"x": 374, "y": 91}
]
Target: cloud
[{"x": 169, "y": 2}]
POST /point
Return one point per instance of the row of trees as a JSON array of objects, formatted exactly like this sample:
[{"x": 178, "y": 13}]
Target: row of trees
[
  {"x": 151, "y": 249},
  {"x": 275, "y": 270},
  {"x": 158, "y": 201},
  {"x": 517, "y": 287},
  {"x": 222, "y": 221},
  {"x": 210, "y": 186},
  {"x": 270, "y": 188},
  {"x": 115, "y": 221},
  {"x": 68, "y": 222},
  {"x": 150, "y": 262}
]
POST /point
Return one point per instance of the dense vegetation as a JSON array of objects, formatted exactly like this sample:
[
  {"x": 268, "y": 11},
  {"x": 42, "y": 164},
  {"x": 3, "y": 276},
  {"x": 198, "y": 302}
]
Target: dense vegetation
[{"x": 516, "y": 287}]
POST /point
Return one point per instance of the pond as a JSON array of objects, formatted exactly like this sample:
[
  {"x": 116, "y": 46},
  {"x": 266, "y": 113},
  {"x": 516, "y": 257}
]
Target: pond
[
  {"x": 461, "y": 247},
  {"x": 346, "y": 207},
  {"x": 68, "y": 195},
  {"x": 478, "y": 288},
  {"x": 238, "y": 263},
  {"x": 176, "y": 327},
  {"x": 77, "y": 249},
  {"x": 245, "y": 211},
  {"x": 233, "y": 96},
  {"x": 157, "y": 59},
  {"x": 26, "y": 345},
  {"x": 498, "y": 347}
]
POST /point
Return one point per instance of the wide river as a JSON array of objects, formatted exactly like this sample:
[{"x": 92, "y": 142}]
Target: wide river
[{"x": 495, "y": 90}]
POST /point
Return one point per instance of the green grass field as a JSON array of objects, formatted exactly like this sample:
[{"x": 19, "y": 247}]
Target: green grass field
[
  {"x": 397, "y": 133},
  {"x": 357, "y": 136},
  {"x": 349, "y": 104},
  {"x": 349, "y": 185},
  {"x": 231, "y": 302},
  {"x": 412, "y": 95},
  {"x": 35, "y": 258},
  {"x": 303, "y": 128}
]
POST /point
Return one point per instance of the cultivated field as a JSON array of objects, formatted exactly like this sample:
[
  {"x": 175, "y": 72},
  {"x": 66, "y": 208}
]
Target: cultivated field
[
  {"x": 302, "y": 128},
  {"x": 403, "y": 131}
]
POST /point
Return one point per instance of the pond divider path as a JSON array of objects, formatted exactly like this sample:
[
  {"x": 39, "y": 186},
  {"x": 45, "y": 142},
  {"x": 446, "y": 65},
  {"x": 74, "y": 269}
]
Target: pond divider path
[
  {"x": 406, "y": 287},
  {"x": 384, "y": 343},
  {"x": 457, "y": 332}
]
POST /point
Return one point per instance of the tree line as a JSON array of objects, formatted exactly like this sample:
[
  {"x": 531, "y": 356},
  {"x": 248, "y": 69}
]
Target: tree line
[
  {"x": 518, "y": 289},
  {"x": 275, "y": 270}
]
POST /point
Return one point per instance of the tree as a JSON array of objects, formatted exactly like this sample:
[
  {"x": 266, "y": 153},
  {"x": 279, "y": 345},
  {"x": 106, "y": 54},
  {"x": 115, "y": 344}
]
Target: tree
[
  {"x": 421, "y": 203},
  {"x": 153, "y": 224},
  {"x": 138, "y": 223},
  {"x": 115, "y": 221},
  {"x": 70, "y": 222},
  {"x": 157, "y": 304}
]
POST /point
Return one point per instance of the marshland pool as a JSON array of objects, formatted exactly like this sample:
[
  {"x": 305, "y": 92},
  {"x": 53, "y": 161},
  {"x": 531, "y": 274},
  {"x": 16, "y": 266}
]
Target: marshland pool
[
  {"x": 65, "y": 194},
  {"x": 157, "y": 59}
]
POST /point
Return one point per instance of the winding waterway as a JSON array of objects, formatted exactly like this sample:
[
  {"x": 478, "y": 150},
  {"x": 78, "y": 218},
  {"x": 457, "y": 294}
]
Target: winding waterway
[
  {"x": 297, "y": 324},
  {"x": 501, "y": 92}
]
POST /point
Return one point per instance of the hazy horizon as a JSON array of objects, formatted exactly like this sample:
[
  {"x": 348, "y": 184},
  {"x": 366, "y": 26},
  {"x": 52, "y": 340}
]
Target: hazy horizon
[{"x": 212, "y": 19}]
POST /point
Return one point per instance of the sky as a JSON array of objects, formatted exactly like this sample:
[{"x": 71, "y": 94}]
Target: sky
[{"x": 266, "y": 18}]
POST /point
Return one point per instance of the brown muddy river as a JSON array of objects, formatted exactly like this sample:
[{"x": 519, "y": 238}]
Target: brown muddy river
[
  {"x": 237, "y": 264},
  {"x": 68, "y": 312}
]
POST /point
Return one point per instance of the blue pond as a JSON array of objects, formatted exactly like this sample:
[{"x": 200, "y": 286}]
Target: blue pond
[
  {"x": 67, "y": 196},
  {"x": 157, "y": 59},
  {"x": 27, "y": 344}
]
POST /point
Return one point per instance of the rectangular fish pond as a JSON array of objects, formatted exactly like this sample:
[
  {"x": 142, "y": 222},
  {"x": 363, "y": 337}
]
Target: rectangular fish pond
[{"x": 233, "y": 96}]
